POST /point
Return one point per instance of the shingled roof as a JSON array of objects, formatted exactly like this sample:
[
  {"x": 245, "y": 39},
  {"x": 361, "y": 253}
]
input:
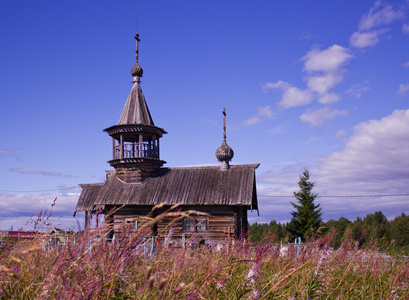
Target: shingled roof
[
  {"x": 136, "y": 110},
  {"x": 184, "y": 185}
]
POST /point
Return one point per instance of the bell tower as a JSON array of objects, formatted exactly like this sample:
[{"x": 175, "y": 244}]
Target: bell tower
[{"x": 135, "y": 139}]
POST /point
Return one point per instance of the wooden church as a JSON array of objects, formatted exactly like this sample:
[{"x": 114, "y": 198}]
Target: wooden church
[{"x": 223, "y": 194}]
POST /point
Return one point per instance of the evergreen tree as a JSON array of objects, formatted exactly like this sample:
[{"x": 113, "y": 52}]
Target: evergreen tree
[{"x": 307, "y": 216}]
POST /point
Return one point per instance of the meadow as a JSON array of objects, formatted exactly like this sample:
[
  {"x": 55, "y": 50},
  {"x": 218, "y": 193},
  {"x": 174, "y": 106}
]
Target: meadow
[{"x": 88, "y": 267}]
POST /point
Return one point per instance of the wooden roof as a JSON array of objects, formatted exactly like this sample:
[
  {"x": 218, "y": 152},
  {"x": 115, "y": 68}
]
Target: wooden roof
[
  {"x": 136, "y": 110},
  {"x": 194, "y": 186}
]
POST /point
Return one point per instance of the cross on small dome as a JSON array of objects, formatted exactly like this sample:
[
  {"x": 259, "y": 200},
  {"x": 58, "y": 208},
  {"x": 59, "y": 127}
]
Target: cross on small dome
[{"x": 224, "y": 153}]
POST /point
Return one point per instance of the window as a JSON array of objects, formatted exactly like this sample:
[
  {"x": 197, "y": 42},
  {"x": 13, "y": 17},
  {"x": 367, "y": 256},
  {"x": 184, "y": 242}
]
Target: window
[
  {"x": 195, "y": 224},
  {"x": 200, "y": 224},
  {"x": 131, "y": 223},
  {"x": 189, "y": 224}
]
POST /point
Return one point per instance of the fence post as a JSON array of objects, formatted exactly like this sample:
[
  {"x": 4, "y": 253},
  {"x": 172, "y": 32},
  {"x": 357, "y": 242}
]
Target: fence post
[
  {"x": 298, "y": 246},
  {"x": 153, "y": 245}
]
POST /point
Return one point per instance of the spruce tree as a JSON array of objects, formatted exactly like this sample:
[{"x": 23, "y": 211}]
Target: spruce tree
[{"x": 307, "y": 216}]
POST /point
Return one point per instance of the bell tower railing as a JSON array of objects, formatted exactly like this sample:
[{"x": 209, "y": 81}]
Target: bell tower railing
[{"x": 136, "y": 149}]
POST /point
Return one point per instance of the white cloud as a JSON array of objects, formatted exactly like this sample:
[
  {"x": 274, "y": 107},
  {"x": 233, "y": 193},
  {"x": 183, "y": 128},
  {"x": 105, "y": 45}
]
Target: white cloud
[
  {"x": 357, "y": 90},
  {"x": 317, "y": 118},
  {"x": 403, "y": 89},
  {"x": 323, "y": 72},
  {"x": 39, "y": 172},
  {"x": 6, "y": 152},
  {"x": 375, "y": 158},
  {"x": 292, "y": 96},
  {"x": 379, "y": 14},
  {"x": 406, "y": 65},
  {"x": 341, "y": 134},
  {"x": 16, "y": 210},
  {"x": 327, "y": 61},
  {"x": 324, "y": 68},
  {"x": 322, "y": 83},
  {"x": 276, "y": 85},
  {"x": 405, "y": 28},
  {"x": 34, "y": 172},
  {"x": 365, "y": 39},
  {"x": 329, "y": 98},
  {"x": 305, "y": 35},
  {"x": 374, "y": 161},
  {"x": 263, "y": 113},
  {"x": 209, "y": 121}
]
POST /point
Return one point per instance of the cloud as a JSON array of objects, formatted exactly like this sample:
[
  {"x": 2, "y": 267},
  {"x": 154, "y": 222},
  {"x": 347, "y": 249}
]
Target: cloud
[
  {"x": 375, "y": 158},
  {"x": 357, "y": 90},
  {"x": 405, "y": 28},
  {"x": 324, "y": 67},
  {"x": 406, "y": 65},
  {"x": 276, "y": 85},
  {"x": 326, "y": 61},
  {"x": 305, "y": 35},
  {"x": 34, "y": 172},
  {"x": 374, "y": 161},
  {"x": 21, "y": 210},
  {"x": 322, "y": 83},
  {"x": 263, "y": 114},
  {"x": 324, "y": 70},
  {"x": 341, "y": 134},
  {"x": 5, "y": 152},
  {"x": 365, "y": 39},
  {"x": 292, "y": 96},
  {"x": 329, "y": 98},
  {"x": 403, "y": 89},
  {"x": 317, "y": 117},
  {"x": 379, "y": 14},
  {"x": 209, "y": 121}
]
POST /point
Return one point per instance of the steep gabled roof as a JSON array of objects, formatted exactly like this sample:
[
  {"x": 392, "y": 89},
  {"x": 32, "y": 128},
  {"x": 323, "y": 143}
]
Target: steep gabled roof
[{"x": 194, "y": 186}]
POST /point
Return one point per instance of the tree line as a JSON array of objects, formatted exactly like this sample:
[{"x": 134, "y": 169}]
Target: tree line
[{"x": 306, "y": 223}]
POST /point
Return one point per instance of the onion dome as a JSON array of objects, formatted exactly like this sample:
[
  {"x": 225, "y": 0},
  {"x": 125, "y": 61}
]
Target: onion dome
[{"x": 224, "y": 153}]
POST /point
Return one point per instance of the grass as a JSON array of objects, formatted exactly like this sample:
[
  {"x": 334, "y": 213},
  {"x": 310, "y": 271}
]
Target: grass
[{"x": 87, "y": 267}]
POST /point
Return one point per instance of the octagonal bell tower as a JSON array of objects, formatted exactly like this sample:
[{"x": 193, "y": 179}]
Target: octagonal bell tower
[{"x": 135, "y": 139}]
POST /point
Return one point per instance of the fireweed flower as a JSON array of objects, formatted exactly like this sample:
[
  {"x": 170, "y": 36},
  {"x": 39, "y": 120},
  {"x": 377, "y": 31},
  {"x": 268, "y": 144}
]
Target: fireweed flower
[
  {"x": 255, "y": 294},
  {"x": 253, "y": 273}
]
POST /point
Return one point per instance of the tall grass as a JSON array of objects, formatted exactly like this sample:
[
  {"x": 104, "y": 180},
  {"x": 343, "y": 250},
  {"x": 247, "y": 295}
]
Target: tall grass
[{"x": 87, "y": 267}]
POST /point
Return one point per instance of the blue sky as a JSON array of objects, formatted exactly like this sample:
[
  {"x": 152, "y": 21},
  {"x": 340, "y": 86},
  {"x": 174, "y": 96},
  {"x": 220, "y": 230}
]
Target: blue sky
[{"x": 317, "y": 84}]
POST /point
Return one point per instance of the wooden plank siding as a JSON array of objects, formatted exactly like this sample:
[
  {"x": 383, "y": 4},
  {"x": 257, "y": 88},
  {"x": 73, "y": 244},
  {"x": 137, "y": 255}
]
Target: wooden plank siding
[{"x": 220, "y": 223}]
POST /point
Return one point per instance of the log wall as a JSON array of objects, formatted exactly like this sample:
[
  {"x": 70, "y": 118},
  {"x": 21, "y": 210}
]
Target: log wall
[{"x": 221, "y": 223}]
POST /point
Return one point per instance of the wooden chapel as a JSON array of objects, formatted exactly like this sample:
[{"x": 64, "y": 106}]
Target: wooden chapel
[{"x": 139, "y": 181}]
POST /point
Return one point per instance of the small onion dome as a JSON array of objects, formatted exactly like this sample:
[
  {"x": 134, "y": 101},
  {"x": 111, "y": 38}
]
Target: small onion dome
[
  {"x": 136, "y": 70},
  {"x": 224, "y": 154}
]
